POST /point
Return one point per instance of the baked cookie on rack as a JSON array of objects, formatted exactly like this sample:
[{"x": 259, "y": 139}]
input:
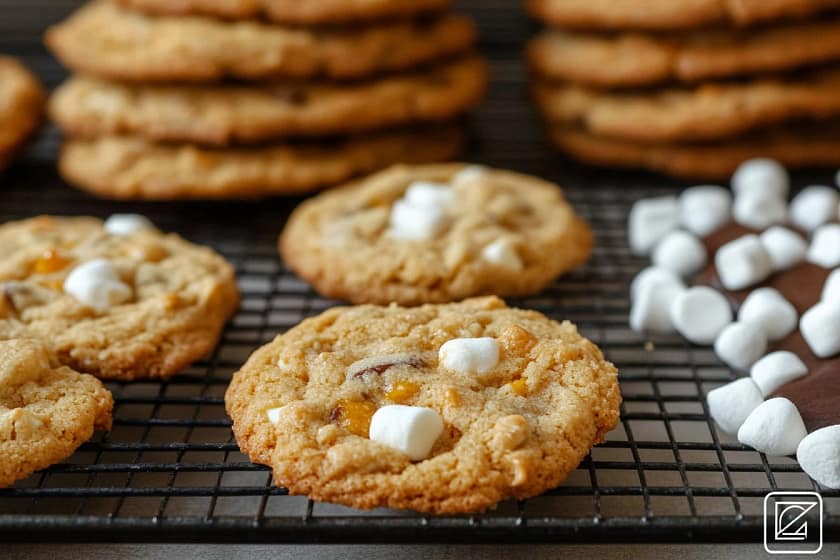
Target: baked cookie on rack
[
  {"x": 21, "y": 107},
  {"x": 118, "y": 299},
  {"x": 435, "y": 233},
  {"x": 441, "y": 408},
  {"x": 46, "y": 410}
]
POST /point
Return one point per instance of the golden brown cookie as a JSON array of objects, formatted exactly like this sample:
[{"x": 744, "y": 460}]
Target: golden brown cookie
[
  {"x": 295, "y": 12},
  {"x": 103, "y": 40},
  {"x": 513, "y": 429},
  {"x": 21, "y": 106},
  {"x": 118, "y": 302},
  {"x": 130, "y": 167},
  {"x": 226, "y": 114},
  {"x": 792, "y": 146},
  {"x": 636, "y": 59},
  {"x": 46, "y": 411},
  {"x": 435, "y": 233},
  {"x": 706, "y": 112},
  {"x": 671, "y": 14}
]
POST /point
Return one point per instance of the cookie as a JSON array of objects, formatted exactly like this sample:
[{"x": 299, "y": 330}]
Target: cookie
[
  {"x": 106, "y": 41},
  {"x": 793, "y": 146},
  {"x": 120, "y": 300},
  {"x": 435, "y": 233},
  {"x": 221, "y": 115},
  {"x": 513, "y": 423},
  {"x": 21, "y": 106},
  {"x": 46, "y": 411},
  {"x": 706, "y": 112},
  {"x": 133, "y": 168},
  {"x": 671, "y": 14},
  {"x": 292, "y": 11},
  {"x": 635, "y": 59}
]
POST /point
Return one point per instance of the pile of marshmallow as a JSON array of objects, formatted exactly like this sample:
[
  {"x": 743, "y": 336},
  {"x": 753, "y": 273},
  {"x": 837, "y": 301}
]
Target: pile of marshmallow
[{"x": 670, "y": 229}]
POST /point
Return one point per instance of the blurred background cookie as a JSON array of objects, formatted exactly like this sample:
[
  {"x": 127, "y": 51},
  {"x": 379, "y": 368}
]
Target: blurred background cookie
[{"x": 21, "y": 107}]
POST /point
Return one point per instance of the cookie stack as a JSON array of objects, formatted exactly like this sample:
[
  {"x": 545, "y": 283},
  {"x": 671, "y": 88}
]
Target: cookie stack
[
  {"x": 690, "y": 89},
  {"x": 204, "y": 99}
]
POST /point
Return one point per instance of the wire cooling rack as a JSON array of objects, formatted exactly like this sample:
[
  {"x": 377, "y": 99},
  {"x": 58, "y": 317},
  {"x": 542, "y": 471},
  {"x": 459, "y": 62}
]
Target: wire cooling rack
[{"x": 171, "y": 471}]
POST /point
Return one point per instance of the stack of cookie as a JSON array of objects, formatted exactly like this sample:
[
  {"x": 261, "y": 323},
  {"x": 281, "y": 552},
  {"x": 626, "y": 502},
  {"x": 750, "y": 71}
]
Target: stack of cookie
[
  {"x": 204, "y": 99},
  {"x": 690, "y": 89}
]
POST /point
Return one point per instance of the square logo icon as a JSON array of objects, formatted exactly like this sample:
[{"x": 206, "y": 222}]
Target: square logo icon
[{"x": 793, "y": 522}]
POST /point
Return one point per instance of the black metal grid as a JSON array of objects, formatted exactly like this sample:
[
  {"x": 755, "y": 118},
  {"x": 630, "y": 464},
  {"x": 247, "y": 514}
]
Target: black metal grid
[{"x": 170, "y": 470}]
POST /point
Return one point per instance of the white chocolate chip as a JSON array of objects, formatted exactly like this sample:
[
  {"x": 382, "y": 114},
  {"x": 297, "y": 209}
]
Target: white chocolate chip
[
  {"x": 680, "y": 252},
  {"x": 759, "y": 211},
  {"x": 768, "y": 309},
  {"x": 705, "y": 208},
  {"x": 825, "y": 246},
  {"x": 777, "y": 369},
  {"x": 831, "y": 289},
  {"x": 740, "y": 345},
  {"x": 502, "y": 252},
  {"x": 785, "y": 247},
  {"x": 820, "y": 327},
  {"x": 649, "y": 275},
  {"x": 469, "y": 174},
  {"x": 274, "y": 414},
  {"x": 650, "y": 220},
  {"x": 412, "y": 430},
  {"x": 127, "y": 224},
  {"x": 762, "y": 176},
  {"x": 427, "y": 194},
  {"x": 469, "y": 355},
  {"x": 819, "y": 456},
  {"x": 742, "y": 263},
  {"x": 813, "y": 207},
  {"x": 700, "y": 314},
  {"x": 97, "y": 285},
  {"x": 416, "y": 223},
  {"x": 654, "y": 296},
  {"x": 732, "y": 403},
  {"x": 774, "y": 427}
]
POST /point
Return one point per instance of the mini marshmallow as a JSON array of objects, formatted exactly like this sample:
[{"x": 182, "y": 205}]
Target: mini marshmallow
[
  {"x": 831, "y": 289},
  {"x": 415, "y": 223},
  {"x": 97, "y": 285},
  {"x": 819, "y": 456},
  {"x": 732, "y": 403},
  {"x": 762, "y": 176},
  {"x": 502, "y": 252},
  {"x": 127, "y": 224},
  {"x": 681, "y": 253},
  {"x": 777, "y": 369},
  {"x": 705, "y": 208},
  {"x": 425, "y": 193},
  {"x": 785, "y": 247},
  {"x": 813, "y": 207},
  {"x": 651, "y": 310},
  {"x": 768, "y": 309},
  {"x": 650, "y": 220},
  {"x": 825, "y": 246},
  {"x": 740, "y": 345},
  {"x": 759, "y": 211},
  {"x": 742, "y": 263},
  {"x": 652, "y": 274},
  {"x": 410, "y": 429},
  {"x": 469, "y": 355},
  {"x": 700, "y": 314},
  {"x": 274, "y": 414},
  {"x": 469, "y": 174},
  {"x": 774, "y": 427},
  {"x": 820, "y": 327}
]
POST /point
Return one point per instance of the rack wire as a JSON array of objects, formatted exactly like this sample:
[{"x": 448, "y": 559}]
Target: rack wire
[{"x": 171, "y": 471}]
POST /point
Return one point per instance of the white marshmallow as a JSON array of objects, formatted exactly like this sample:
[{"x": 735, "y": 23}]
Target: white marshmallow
[
  {"x": 469, "y": 174},
  {"x": 425, "y": 193},
  {"x": 813, "y": 207},
  {"x": 652, "y": 274},
  {"x": 274, "y": 414},
  {"x": 502, "y": 252},
  {"x": 127, "y": 224},
  {"x": 762, "y": 176},
  {"x": 819, "y": 456},
  {"x": 777, "y": 369},
  {"x": 831, "y": 289},
  {"x": 740, "y": 345},
  {"x": 771, "y": 312},
  {"x": 97, "y": 285},
  {"x": 680, "y": 252},
  {"x": 785, "y": 247},
  {"x": 650, "y": 220},
  {"x": 732, "y": 403},
  {"x": 742, "y": 263},
  {"x": 759, "y": 211},
  {"x": 705, "y": 208},
  {"x": 415, "y": 223},
  {"x": 825, "y": 246},
  {"x": 700, "y": 314},
  {"x": 410, "y": 429},
  {"x": 774, "y": 427},
  {"x": 651, "y": 310},
  {"x": 820, "y": 327},
  {"x": 469, "y": 355}
]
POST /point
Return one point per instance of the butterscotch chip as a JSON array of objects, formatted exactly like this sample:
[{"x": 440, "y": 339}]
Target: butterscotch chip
[
  {"x": 21, "y": 107},
  {"x": 222, "y": 115},
  {"x": 175, "y": 306},
  {"x": 46, "y": 411},
  {"x": 495, "y": 444},
  {"x": 104, "y": 40}
]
